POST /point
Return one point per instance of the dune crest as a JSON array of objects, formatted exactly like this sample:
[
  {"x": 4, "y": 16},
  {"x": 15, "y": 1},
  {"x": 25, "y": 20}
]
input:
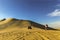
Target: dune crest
[{"x": 6, "y": 21}]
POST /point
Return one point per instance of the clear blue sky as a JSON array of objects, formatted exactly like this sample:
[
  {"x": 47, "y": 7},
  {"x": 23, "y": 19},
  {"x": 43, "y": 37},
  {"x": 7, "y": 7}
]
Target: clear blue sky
[{"x": 41, "y": 11}]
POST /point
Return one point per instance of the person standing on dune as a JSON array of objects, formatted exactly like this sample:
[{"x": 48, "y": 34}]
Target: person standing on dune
[{"x": 46, "y": 26}]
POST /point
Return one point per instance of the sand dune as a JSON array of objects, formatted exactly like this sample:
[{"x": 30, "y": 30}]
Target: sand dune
[{"x": 14, "y": 29}]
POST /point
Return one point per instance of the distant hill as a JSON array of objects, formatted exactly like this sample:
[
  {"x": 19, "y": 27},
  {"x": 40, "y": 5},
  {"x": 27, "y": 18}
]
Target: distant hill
[{"x": 12, "y": 22}]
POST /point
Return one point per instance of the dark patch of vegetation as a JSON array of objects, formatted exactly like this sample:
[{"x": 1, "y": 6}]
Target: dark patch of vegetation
[{"x": 29, "y": 27}]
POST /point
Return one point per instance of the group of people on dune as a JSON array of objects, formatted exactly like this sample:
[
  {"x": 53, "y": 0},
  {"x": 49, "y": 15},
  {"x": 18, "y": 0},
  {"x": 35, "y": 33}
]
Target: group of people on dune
[{"x": 45, "y": 26}]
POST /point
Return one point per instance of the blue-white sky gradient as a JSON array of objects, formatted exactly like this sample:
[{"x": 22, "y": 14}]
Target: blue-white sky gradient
[{"x": 41, "y": 11}]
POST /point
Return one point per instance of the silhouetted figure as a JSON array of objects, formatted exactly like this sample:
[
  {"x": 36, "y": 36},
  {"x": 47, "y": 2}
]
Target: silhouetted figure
[
  {"x": 46, "y": 26},
  {"x": 29, "y": 27}
]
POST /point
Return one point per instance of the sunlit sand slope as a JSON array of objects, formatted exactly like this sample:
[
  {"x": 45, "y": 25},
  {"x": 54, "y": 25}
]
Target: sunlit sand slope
[
  {"x": 29, "y": 34},
  {"x": 14, "y": 29}
]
